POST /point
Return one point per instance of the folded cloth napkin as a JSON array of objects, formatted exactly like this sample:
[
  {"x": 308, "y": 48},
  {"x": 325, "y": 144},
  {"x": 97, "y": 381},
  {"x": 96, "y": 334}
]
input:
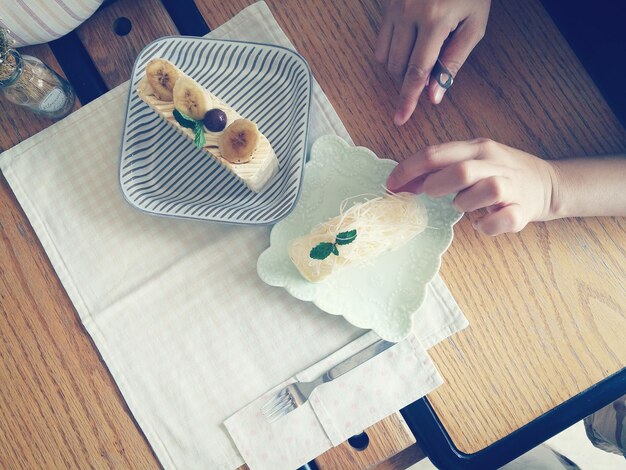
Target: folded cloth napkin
[
  {"x": 337, "y": 410},
  {"x": 188, "y": 331}
]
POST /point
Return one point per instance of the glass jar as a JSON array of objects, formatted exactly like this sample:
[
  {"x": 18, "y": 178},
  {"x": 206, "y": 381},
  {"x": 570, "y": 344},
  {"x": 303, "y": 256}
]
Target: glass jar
[{"x": 30, "y": 83}]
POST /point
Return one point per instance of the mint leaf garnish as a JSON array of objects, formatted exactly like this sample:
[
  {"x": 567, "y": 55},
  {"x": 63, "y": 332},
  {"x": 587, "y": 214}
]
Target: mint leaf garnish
[
  {"x": 184, "y": 120},
  {"x": 345, "y": 238},
  {"x": 322, "y": 250},
  {"x": 190, "y": 123},
  {"x": 199, "y": 138}
]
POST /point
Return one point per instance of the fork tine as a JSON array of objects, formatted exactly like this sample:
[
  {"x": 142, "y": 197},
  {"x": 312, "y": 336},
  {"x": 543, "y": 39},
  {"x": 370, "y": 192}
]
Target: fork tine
[
  {"x": 274, "y": 400},
  {"x": 279, "y": 404},
  {"x": 284, "y": 403},
  {"x": 280, "y": 412}
]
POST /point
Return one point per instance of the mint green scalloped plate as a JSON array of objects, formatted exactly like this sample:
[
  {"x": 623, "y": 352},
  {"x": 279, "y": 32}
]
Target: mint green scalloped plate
[{"x": 384, "y": 295}]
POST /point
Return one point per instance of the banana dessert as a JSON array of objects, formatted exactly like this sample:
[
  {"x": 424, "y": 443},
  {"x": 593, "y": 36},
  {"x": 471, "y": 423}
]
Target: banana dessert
[{"x": 213, "y": 126}]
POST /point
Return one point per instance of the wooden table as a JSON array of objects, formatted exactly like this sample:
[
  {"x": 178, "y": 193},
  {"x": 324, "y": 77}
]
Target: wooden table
[{"x": 546, "y": 307}]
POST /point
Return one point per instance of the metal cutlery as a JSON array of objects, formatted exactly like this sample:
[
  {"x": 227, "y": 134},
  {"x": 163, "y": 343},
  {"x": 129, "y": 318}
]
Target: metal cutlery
[{"x": 297, "y": 393}]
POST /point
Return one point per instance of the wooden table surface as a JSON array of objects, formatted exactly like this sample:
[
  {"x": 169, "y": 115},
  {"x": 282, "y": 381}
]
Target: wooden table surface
[{"x": 546, "y": 306}]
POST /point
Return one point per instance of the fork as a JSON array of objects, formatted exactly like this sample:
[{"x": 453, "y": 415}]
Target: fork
[{"x": 297, "y": 393}]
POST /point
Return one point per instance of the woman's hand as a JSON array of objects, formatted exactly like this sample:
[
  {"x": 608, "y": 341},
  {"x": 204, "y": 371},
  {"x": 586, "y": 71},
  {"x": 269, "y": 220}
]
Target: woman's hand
[
  {"x": 513, "y": 186},
  {"x": 413, "y": 35}
]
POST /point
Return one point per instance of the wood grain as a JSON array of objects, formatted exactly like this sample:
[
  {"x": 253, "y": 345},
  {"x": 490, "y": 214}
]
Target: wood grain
[
  {"x": 115, "y": 55},
  {"x": 546, "y": 306},
  {"x": 17, "y": 123},
  {"x": 546, "y": 324}
]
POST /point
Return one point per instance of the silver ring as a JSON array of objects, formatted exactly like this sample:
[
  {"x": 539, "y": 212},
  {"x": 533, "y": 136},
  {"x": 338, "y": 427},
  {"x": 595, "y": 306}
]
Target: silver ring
[{"x": 442, "y": 75}]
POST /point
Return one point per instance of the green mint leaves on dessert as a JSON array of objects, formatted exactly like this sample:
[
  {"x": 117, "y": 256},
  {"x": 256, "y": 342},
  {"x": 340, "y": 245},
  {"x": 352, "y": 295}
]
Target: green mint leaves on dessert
[
  {"x": 199, "y": 138},
  {"x": 184, "y": 120},
  {"x": 191, "y": 123},
  {"x": 345, "y": 238},
  {"x": 324, "y": 249}
]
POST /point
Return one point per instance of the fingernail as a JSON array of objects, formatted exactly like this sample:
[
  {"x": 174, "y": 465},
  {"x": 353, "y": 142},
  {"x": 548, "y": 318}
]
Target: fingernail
[
  {"x": 397, "y": 119},
  {"x": 438, "y": 94}
]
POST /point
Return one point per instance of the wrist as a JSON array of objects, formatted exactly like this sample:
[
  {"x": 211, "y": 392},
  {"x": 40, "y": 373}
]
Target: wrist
[
  {"x": 585, "y": 187},
  {"x": 550, "y": 180},
  {"x": 558, "y": 188},
  {"x": 589, "y": 187}
]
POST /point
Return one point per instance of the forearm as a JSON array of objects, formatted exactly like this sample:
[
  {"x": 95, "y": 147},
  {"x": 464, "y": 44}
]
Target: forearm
[{"x": 589, "y": 187}]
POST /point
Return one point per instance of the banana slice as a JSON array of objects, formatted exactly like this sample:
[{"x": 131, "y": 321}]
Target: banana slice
[
  {"x": 190, "y": 98},
  {"x": 239, "y": 141},
  {"x": 162, "y": 76}
]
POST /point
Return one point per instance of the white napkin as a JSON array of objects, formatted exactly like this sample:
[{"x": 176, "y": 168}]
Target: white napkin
[
  {"x": 188, "y": 331},
  {"x": 337, "y": 410}
]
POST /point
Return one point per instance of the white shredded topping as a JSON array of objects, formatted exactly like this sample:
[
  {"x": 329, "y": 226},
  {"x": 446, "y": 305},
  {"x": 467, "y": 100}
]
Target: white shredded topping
[{"x": 382, "y": 223}]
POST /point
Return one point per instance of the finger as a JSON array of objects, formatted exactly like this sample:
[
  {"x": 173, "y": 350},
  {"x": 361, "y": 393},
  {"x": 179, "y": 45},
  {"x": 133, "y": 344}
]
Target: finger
[
  {"x": 383, "y": 41},
  {"x": 455, "y": 52},
  {"x": 484, "y": 194},
  {"x": 459, "y": 176},
  {"x": 400, "y": 49},
  {"x": 507, "y": 219},
  {"x": 423, "y": 58},
  {"x": 432, "y": 158},
  {"x": 415, "y": 186}
]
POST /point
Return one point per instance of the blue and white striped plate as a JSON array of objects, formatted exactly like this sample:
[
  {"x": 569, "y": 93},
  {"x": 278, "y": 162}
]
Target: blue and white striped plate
[{"x": 162, "y": 172}]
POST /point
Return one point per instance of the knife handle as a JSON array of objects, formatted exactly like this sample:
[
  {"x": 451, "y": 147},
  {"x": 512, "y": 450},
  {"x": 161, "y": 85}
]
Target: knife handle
[{"x": 357, "y": 359}]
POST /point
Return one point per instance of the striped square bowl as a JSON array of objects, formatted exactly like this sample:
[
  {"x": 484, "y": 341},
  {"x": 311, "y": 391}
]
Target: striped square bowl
[{"x": 163, "y": 173}]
